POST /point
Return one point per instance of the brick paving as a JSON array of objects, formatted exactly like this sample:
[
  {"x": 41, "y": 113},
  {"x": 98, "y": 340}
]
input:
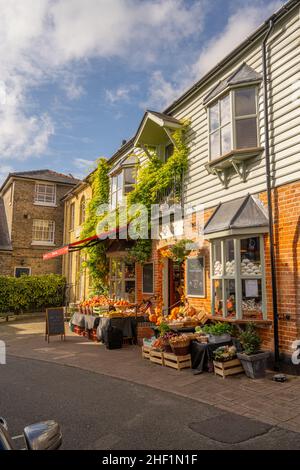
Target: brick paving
[{"x": 277, "y": 404}]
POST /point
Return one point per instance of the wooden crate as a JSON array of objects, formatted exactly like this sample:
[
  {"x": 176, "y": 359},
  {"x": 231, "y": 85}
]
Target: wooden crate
[
  {"x": 157, "y": 357},
  {"x": 178, "y": 362},
  {"x": 225, "y": 369},
  {"x": 146, "y": 352}
]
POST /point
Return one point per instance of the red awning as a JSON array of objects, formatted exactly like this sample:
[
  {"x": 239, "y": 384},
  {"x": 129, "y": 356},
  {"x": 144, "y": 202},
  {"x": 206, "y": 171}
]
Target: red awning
[{"x": 77, "y": 246}]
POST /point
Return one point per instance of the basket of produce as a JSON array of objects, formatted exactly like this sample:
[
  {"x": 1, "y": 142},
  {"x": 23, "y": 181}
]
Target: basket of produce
[
  {"x": 166, "y": 341},
  {"x": 180, "y": 345}
]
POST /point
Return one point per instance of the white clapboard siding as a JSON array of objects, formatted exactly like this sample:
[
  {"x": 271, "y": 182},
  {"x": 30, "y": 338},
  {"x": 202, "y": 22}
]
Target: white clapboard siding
[{"x": 284, "y": 113}]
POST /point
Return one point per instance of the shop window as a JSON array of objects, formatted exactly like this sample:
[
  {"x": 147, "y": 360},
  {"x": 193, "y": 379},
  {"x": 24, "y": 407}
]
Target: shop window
[
  {"x": 238, "y": 290},
  {"x": 195, "y": 273},
  {"x": 122, "y": 280},
  {"x": 233, "y": 122},
  {"x": 148, "y": 278}
]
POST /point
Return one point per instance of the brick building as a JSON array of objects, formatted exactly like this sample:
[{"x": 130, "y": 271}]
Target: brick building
[
  {"x": 244, "y": 169},
  {"x": 31, "y": 221}
]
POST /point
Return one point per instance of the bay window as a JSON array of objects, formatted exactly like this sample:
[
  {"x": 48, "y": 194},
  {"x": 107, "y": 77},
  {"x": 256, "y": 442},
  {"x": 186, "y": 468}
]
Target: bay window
[
  {"x": 237, "y": 278},
  {"x": 233, "y": 123}
]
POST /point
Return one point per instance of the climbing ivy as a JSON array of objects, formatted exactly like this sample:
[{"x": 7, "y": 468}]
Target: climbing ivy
[
  {"x": 154, "y": 178},
  {"x": 97, "y": 262}
]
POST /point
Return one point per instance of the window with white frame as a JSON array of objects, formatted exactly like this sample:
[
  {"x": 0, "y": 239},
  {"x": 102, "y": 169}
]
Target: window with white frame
[
  {"x": 45, "y": 194},
  {"x": 122, "y": 183},
  {"x": 237, "y": 278},
  {"x": 233, "y": 122},
  {"x": 72, "y": 217},
  {"x": 148, "y": 278},
  {"x": 195, "y": 277},
  {"x": 122, "y": 280},
  {"x": 43, "y": 231}
]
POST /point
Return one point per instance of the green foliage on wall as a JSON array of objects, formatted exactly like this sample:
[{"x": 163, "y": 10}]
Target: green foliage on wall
[
  {"x": 154, "y": 179},
  {"x": 31, "y": 293},
  {"x": 97, "y": 262}
]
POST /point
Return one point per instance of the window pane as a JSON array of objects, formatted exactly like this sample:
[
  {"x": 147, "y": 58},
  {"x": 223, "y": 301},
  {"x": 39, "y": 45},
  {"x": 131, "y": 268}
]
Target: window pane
[
  {"x": 169, "y": 150},
  {"x": 129, "y": 271},
  {"x": 195, "y": 276},
  {"x": 226, "y": 139},
  {"x": 218, "y": 296},
  {"x": 230, "y": 297},
  {"x": 229, "y": 258},
  {"x": 252, "y": 298},
  {"x": 113, "y": 183},
  {"x": 225, "y": 110},
  {"x": 250, "y": 257},
  {"x": 245, "y": 101},
  {"x": 246, "y": 133},
  {"x": 129, "y": 294},
  {"x": 148, "y": 273},
  {"x": 129, "y": 175},
  {"x": 215, "y": 145},
  {"x": 217, "y": 259},
  {"x": 214, "y": 118},
  {"x": 120, "y": 180}
]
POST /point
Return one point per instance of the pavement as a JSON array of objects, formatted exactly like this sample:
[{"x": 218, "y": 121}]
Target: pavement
[
  {"x": 270, "y": 403},
  {"x": 98, "y": 412}
]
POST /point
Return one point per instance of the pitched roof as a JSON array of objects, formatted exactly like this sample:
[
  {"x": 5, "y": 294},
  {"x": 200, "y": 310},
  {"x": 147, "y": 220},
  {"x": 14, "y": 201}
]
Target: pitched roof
[
  {"x": 165, "y": 117},
  {"x": 244, "y": 212},
  {"x": 5, "y": 244},
  {"x": 47, "y": 175},
  {"x": 243, "y": 74},
  {"x": 256, "y": 35},
  {"x": 43, "y": 175}
]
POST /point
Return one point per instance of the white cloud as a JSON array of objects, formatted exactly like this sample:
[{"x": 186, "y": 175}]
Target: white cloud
[
  {"x": 238, "y": 27},
  {"x": 51, "y": 40},
  {"x": 4, "y": 170},
  {"x": 84, "y": 164},
  {"x": 122, "y": 93}
]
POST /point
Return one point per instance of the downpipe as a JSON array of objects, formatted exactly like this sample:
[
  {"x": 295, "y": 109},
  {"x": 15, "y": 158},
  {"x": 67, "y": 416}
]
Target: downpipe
[{"x": 269, "y": 195}]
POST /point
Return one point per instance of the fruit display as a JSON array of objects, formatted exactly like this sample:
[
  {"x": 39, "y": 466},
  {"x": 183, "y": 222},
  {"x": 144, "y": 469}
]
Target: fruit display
[
  {"x": 187, "y": 315},
  {"x": 248, "y": 268}
]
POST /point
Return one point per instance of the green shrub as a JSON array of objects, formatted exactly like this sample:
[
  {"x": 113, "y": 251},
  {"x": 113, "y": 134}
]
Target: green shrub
[{"x": 31, "y": 293}]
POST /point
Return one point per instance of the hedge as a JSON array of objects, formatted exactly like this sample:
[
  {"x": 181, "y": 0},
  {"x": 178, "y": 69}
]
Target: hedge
[{"x": 31, "y": 293}]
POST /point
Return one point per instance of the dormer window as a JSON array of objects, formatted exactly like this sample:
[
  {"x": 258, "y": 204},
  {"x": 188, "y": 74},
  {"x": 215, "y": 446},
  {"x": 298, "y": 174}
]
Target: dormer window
[{"x": 233, "y": 122}]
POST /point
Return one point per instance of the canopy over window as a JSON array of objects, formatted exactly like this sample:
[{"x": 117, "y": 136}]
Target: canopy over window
[
  {"x": 241, "y": 216},
  {"x": 155, "y": 129},
  {"x": 243, "y": 75}
]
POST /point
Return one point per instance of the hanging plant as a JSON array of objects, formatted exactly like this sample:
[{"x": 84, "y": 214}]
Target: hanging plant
[{"x": 177, "y": 252}]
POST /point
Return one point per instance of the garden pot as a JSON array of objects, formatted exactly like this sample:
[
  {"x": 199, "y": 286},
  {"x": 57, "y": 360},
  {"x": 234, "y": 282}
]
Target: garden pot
[
  {"x": 254, "y": 365},
  {"x": 214, "y": 339}
]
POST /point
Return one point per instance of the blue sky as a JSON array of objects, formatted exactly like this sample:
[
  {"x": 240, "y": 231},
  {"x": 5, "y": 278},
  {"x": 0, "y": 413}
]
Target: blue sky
[{"x": 77, "y": 75}]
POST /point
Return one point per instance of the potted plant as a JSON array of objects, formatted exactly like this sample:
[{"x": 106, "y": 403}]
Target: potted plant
[
  {"x": 254, "y": 361},
  {"x": 218, "y": 332},
  {"x": 226, "y": 362}
]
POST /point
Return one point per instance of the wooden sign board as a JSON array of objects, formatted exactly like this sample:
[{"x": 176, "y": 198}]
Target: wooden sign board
[{"x": 55, "y": 323}]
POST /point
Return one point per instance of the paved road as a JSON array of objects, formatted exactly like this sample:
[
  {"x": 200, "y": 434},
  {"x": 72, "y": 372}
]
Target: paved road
[{"x": 99, "y": 412}]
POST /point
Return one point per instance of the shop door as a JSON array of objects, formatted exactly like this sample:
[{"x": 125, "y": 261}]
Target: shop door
[{"x": 176, "y": 283}]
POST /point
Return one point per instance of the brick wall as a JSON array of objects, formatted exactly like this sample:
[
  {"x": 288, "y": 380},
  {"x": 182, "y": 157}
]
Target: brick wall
[
  {"x": 5, "y": 263},
  {"x": 286, "y": 205},
  {"x": 24, "y": 211}
]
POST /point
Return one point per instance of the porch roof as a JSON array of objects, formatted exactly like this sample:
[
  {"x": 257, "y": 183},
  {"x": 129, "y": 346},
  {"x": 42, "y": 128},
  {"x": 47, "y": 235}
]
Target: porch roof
[
  {"x": 237, "y": 216},
  {"x": 155, "y": 128}
]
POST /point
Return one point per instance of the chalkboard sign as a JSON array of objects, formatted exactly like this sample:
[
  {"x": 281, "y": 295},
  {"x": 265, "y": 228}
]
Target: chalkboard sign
[
  {"x": 196, "y": 277},
  {"x": 55, "y": 323}
]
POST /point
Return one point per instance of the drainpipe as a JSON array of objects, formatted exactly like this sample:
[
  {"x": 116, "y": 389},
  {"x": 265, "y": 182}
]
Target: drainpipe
[{"x": 269, "y": 195}]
